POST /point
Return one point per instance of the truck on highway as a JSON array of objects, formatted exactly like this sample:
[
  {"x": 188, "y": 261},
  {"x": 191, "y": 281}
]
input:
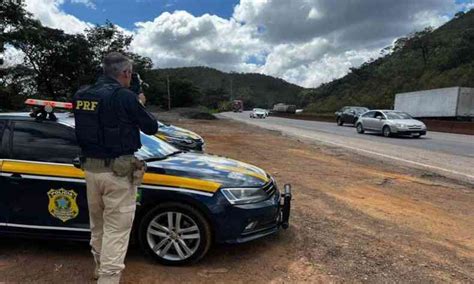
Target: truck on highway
[
  {"x": 455, "y": 103},
  {"x": 237, "y": 106},
  {"x": 284, "y": 108}
]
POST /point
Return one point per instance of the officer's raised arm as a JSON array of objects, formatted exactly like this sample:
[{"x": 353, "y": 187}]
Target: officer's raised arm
[
  {"x": 108, "y": 119},
  {"x": 138, "y": 114}
]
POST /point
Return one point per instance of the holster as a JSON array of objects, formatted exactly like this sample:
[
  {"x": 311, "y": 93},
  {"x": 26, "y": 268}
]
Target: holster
[
  {"x": 139, "y": 172},
  {"x": 130, "y": 166}
]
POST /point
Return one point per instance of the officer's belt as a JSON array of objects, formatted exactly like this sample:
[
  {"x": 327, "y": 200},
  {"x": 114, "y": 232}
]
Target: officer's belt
[{"x": 94, "y": 164}]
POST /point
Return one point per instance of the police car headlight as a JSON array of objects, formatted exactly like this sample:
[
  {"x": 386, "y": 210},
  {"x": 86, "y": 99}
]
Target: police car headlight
[{"x": 244, "y": 195}]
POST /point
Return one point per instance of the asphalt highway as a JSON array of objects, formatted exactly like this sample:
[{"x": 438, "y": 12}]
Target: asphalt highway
[{"x": 447, "y": 154}]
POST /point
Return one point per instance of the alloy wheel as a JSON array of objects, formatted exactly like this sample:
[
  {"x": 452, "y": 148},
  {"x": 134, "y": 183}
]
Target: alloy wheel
[{"x": 173, "y": 236}]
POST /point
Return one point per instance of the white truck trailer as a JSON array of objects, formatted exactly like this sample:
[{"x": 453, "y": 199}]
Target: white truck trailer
[{"x": 456, "y": 102}]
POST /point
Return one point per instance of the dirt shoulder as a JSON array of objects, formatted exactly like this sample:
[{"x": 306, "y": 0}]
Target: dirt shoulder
[{"x": 353, "y": 219}]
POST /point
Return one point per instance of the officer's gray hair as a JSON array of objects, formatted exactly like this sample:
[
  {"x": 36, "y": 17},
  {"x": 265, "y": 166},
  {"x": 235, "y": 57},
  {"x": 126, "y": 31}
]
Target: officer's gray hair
[{"x": 115, "y": 63}]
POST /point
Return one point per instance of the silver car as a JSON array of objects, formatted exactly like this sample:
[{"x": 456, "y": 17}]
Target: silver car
[
  {"x": 259, "y": 113},
  {"x": 390, "y": 122}
]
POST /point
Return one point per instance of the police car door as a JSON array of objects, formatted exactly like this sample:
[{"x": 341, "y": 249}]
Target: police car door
[
  {"x": 3, "y": 199},
  {"x": 45, "y": 192}
]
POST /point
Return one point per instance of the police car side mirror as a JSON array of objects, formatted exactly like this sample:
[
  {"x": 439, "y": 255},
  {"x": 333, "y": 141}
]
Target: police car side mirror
[{"x": 76, "y": 162}]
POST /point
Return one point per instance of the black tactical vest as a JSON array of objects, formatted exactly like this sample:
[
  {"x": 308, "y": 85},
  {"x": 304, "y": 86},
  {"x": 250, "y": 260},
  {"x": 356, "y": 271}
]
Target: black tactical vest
[{"x": 100, "y": 130}]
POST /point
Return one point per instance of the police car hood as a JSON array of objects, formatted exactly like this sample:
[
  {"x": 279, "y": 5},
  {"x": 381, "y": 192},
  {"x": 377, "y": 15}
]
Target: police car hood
[
  {"x": 177, "y": 132},
  {"x": 227, "y": 172}
]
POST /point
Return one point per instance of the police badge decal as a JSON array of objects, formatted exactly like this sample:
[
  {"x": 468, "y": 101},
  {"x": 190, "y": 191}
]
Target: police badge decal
[{"x": 62, "y": 204}]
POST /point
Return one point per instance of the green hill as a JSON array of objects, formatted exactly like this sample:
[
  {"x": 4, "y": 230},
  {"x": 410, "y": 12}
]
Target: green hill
[
  {"x": 424, "y": 60},
  {"x": 212, "y": 87}
]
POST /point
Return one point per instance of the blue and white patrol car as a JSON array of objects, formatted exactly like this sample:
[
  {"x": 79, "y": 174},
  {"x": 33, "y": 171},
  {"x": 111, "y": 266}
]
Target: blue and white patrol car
[
  {"x": 186, "y": 202},
  {"x": 181, "y": 138}
]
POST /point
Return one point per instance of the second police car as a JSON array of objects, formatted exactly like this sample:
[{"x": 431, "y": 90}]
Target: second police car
[
  {"x": 191, "y": 198},
  {"x": 181, "y": 138}
]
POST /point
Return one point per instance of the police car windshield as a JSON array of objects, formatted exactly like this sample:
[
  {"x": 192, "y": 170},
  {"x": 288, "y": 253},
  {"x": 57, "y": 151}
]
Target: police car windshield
[{"x": 154, "y": 148}]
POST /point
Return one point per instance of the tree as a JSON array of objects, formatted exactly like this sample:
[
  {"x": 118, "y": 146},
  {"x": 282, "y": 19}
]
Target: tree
[
  {"x": 211, "y": 98},
  {"x": 423, "y": 42},
  {"x": 183, "y": 93},
  {"x": 459, "y": 14},
  {"x": 107, "y": 38},
  {"x": 57, "y": 62},
  {"x": 61, "y": 62}
]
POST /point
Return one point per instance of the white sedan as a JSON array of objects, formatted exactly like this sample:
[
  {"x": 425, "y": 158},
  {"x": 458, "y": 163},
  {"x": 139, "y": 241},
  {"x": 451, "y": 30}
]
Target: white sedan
[
  {"x": 259, "y": 113},
  {"x": 390, "y": 122}
]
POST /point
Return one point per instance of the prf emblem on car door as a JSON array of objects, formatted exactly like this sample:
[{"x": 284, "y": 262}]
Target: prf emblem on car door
[{"x": 62, "y": 204}]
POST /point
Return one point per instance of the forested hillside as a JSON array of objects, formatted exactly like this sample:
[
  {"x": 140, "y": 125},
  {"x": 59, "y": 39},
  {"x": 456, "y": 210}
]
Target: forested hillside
[
  {"x": 423, "y": 60},
  {"x": 56, "y": 64},
  {"x": 213, "y": 88}
]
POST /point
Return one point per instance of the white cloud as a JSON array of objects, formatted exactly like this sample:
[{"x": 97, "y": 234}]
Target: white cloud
[
  {"x": 331, "y": 67},
  {"x": 429, "y": 19},
  {"x": 303, "y": 20},
  {"x": 50, "y": 14},
  {"x": 307, "y": 42},
  {"x": 181, "y": 39},
  {"x": 467, "y": 6},
  {"x": 315, "y": 41},
  {"x": 12, "y": 56},
  {"x": 87, "y": 3}
]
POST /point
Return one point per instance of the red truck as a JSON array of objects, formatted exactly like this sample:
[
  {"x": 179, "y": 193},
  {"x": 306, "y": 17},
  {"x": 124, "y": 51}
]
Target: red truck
[{"x": 238, "y": 106}]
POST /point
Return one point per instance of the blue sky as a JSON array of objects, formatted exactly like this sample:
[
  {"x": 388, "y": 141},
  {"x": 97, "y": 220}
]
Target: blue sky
[
  {"x": 307, "y": 42},
  {"x": 127, "y": 12}
]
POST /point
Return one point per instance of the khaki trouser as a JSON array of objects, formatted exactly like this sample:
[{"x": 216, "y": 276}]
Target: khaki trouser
[{"x": 112, "y": 201}]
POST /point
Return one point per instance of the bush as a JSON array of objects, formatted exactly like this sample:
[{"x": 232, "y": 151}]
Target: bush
[{"x": 224, "y": 106}]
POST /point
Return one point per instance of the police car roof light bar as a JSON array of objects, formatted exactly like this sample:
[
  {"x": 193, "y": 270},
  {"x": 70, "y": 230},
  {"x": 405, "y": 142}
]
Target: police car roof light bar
[
  {"x": 48, "y": 104},
  {"x": 43, "y": 109}
]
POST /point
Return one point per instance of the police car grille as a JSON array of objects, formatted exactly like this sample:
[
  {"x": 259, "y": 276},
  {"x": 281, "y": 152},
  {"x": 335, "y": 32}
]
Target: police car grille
[
  {"x": 414, "y": 127},
  {"x": 269, "y": 188}
]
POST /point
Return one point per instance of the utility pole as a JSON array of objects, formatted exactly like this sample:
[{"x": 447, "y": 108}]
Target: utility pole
[
  {"x": 1, "y": 54},
  {"x": 231, "y": 82},
  {"x": 169, "y": 94}
]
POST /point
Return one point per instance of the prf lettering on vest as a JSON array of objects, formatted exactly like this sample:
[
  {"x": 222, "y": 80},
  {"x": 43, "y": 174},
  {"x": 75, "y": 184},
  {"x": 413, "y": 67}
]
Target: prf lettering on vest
[{"x": 86, "y": 105}]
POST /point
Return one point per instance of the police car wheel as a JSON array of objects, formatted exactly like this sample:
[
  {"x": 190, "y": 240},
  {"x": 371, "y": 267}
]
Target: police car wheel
[{"x": 175, "y": 234}]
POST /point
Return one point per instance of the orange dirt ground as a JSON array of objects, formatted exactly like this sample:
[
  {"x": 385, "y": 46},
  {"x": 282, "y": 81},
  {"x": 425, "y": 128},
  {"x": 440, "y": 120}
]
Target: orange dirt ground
[{"x": 353, "y": 220}]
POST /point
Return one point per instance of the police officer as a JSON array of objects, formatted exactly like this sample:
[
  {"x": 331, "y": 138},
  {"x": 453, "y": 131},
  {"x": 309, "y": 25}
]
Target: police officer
[{"x": 108, "y": 120}]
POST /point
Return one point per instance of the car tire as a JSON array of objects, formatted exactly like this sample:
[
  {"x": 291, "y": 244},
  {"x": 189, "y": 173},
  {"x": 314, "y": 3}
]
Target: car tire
[
  {"x": 360, "y": 128},
  {"x": 339, "y": 121},
  {"x": 386, "y": 131},
  {"x": 185, "y": 245}
]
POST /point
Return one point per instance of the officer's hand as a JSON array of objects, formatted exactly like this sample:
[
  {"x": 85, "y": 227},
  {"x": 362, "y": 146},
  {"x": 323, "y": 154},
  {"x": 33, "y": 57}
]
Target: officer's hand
[{"x": 142, "y": 98}]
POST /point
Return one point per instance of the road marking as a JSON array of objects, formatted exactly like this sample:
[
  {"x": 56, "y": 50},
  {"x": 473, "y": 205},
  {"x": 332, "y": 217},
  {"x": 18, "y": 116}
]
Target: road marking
[{"x": 469, "y": 178}]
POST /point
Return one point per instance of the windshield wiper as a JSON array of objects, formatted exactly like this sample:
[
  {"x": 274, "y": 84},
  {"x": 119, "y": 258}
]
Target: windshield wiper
[
  {"x": 153, "y": 159},
  {"x": 174, "y": 153}
]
